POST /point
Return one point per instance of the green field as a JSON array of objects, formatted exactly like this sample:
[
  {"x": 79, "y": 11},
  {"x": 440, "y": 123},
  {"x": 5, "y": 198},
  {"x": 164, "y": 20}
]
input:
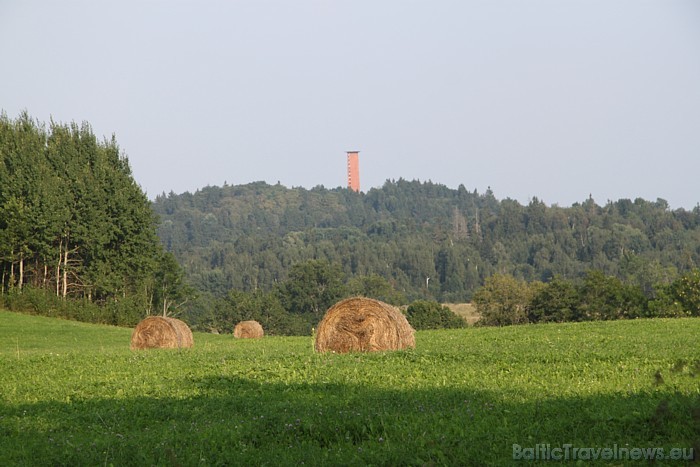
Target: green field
[{"x": 74, "y": 394}]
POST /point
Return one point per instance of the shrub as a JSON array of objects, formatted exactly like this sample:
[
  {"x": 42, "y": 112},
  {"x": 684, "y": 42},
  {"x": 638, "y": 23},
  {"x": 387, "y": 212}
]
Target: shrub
[
  {"x": 685, "y": 291},
  {"x": 125, "y": 312},
  {"x": 423, "y": 314},
  {"x": 556, "y": 301},
  {"x": 605, "y": 297}
]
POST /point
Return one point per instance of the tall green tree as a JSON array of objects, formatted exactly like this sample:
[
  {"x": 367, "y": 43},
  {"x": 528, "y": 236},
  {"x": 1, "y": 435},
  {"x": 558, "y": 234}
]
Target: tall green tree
[{"x": 170, "y": 290}]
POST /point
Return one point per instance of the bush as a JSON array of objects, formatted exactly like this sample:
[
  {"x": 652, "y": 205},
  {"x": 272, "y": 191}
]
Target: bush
[
  {"x": 423, "y": 314},
  {"x": 556, "y": 301},
  {"x": 33, "y": 300},
  {"x": 125, "y": 312},
  {"x": 503, "y": 300},
  {"x": 685, "y": 292},
  {"x": 604, "y": 297},
  {"x": 664, "y": 306}
]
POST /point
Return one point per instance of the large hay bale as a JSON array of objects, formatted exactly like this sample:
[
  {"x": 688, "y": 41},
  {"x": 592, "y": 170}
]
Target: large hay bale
[
  {"x": 158, "y": 332},
  {"x": 248, "y": 330},
  {"x": 361, "y": 324}
]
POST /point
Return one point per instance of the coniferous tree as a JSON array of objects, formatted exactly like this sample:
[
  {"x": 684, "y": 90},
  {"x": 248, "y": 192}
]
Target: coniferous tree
[{"x": 73, "y": 222}]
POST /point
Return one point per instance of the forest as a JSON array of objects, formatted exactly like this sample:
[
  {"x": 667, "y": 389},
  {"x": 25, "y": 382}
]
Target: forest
[
  {"x": 427, "y": 240},
  {"x": 79, "y": 238},
  {"x": 76, "y": 230},
  {"x": 256, "y": 249}
]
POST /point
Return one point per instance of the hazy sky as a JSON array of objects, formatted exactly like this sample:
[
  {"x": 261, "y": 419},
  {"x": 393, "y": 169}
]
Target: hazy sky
[{"x": 554, "y": 99}]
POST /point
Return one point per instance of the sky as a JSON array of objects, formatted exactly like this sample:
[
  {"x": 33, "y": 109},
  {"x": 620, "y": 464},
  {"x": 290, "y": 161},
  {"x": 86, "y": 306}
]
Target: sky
[{"x": 554, "y": 99}]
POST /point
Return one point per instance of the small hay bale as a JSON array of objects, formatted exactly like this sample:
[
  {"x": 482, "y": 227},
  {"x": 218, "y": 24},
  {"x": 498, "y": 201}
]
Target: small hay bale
[
  {"x": 158, "y": 332},
  {"x": 248, "y": 330},
  {"x": 361, "y": 324}
]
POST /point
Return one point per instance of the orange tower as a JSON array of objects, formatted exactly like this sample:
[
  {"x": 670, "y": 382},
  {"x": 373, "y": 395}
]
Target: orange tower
[{"x": 354, "y": 170}]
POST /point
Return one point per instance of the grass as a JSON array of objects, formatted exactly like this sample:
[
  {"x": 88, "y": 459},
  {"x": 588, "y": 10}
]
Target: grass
[{"x": 74, "y": 394}]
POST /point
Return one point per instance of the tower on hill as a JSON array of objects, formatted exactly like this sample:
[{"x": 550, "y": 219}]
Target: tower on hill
[{"x": 354, "y": 170}]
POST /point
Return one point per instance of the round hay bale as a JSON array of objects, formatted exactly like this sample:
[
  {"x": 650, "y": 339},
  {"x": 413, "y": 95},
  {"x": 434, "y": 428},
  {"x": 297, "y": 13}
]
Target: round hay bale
[
  {"x": 361, "y": 324},
  {"x": 248, "y": 330},
  {"x": 158, "y": 332}
]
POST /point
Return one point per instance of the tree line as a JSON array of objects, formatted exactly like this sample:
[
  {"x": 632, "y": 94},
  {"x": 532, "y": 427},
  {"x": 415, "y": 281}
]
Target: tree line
[
  {"x": 74, "y": 225},
  {"x": 505, "y": 300},
  {"x": 296, "y": 305},
  {"x": 79, "y": 238}
]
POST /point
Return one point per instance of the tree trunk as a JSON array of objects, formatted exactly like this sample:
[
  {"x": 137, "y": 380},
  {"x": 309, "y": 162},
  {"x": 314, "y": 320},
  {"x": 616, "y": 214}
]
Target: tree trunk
[
  {"x": 58, "y": 269},
  {"x": 21, "y": 272},
  {"x": 65, "y": 273},
  {"x": 12, "y": 270}
]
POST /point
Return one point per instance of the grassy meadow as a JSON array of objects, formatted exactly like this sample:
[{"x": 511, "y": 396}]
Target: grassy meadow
[{"x": 74, "y": 394}]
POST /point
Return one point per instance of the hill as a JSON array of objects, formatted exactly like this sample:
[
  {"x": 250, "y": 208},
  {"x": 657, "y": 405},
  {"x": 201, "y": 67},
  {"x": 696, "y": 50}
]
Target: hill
[{"x": 425, "y": 239}]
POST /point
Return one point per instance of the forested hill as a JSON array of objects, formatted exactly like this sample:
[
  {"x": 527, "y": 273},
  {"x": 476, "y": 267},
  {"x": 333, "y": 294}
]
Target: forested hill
[{"x": 426, "y": 239}]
